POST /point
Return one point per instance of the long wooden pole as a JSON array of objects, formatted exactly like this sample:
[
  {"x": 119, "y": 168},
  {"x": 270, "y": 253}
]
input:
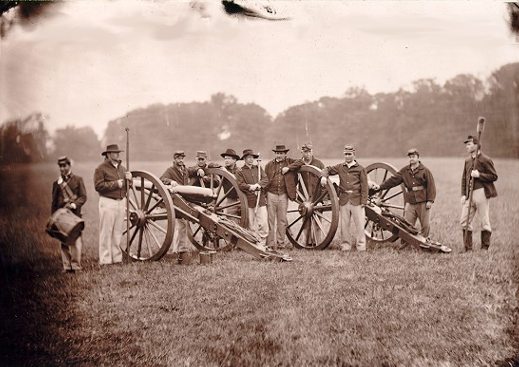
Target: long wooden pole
[{"x": 127, "y": 191}]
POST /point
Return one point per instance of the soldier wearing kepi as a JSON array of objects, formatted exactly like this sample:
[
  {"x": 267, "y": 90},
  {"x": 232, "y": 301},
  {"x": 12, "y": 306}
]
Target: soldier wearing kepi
[
  {"x": 251, "y": 179},
  {"x": 68, "y": 191},
  {"x": 420, "y": 190},
  {"x": 197, "y": 174},
  {"x": 109, "y": 182},
  {"x": 479, "y": 168},
  {"x": 353, "y": 195},
  {"x": 176, "y": 175}
]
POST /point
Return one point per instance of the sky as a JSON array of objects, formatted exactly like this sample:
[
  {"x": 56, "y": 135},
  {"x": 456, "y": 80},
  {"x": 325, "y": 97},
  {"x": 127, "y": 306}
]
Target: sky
[{"x": 90, "y": 62}]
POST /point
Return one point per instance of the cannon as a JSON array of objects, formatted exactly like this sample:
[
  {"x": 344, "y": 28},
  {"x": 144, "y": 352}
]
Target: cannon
[
  {"x": 215, "y": 222},
  {"x": 314, "y": 216}
]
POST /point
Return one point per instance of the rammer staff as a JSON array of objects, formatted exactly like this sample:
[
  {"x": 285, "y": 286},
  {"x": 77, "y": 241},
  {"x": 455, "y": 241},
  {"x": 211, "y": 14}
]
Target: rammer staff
[{"x": 127, "y": 191}]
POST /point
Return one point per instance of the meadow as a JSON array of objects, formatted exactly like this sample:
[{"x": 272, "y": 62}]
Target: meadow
[{"x": 385, "y": 307}]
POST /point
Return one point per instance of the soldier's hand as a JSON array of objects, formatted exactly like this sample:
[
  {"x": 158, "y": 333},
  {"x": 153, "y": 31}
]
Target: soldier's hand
[
  {"x": 200, "y": 172},
  {"x": 166, "y": 181},
  {"x": 428, "y": 205},
  {"x": 128, "y": 175},
  {"x": 375, "y": 187},
  {"x": 284, "y": 170},
  {"x": 474, "y": 173},
  {"x": 323, "y": 181},
  {"x": 60, "y": 180},
  {"x": 173, "y": 183},
  {"x": 71, "y": 206},
  {"x": 463, "y": 199},
  {"x": 120, "y": 183}
]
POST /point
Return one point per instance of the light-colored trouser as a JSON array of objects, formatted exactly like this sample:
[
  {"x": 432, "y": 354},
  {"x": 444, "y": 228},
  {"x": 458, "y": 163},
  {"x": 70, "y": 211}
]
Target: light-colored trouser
[
  {"x": 111, "y": 221},
  {"x": 71, "y": 254},
  {"x": 258, "y": 222},
  {"x": 277, "y": 206},
  {"x": 355, "y": 212},
  {"x": 412, "y": 212},
  {"x": 181, "y": 242},
  {"x": 481, "y": 205}
]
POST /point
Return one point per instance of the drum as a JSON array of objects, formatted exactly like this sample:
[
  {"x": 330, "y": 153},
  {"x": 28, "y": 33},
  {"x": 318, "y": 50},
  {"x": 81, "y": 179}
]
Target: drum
[{"x": 65, "y": 226}]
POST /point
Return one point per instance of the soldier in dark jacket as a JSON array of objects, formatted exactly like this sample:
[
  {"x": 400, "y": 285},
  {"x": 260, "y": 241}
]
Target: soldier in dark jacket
[
  {"x": 109, "y": 182},
  {"x": 176, "y": 175},
  {"x": 68, "y": 191},
  {"x": 481, "y": 170},
  {"x": 230, "y": 158},
  {"x": 420, "y": 191},
  {"x": 251, "y": 179},
  {"x": 198, "y": 174},
  {"x": 281, "y": 187},
  {"x": 353, "y": 195}
]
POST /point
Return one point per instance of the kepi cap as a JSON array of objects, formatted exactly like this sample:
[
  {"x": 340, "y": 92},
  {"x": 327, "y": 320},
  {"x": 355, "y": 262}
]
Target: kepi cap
[
  {"x": 64, "y": 160},
  {"x": 179, "y": 153},
  {"x": 472, "y": 139},
  {"x": 201, "y": 154},
  {"x": 349, "y": 148},
  {"x": 307, "y": 147},
  {"x": 413, "y": 151}
]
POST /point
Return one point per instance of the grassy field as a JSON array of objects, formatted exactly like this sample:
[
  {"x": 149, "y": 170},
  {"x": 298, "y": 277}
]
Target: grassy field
[{"x": 385, "y": 307}]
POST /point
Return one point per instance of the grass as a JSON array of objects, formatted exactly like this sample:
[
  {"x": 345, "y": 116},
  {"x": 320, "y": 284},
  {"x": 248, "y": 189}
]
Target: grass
[{"x": 385, "y": 307}]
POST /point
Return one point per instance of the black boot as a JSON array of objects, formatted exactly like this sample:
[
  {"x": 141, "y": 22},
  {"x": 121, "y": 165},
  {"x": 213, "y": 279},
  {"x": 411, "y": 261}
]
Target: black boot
[
  {"x": 485, "y": 239},
  {"x": 467, "y": 240}
]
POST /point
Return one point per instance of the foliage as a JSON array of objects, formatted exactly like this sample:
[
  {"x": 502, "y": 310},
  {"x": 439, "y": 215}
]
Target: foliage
[{"x": 78, "y": 143}]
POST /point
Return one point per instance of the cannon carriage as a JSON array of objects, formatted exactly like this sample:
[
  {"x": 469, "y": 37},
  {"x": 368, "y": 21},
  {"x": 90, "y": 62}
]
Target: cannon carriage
[{"x": 215, "y": 221}]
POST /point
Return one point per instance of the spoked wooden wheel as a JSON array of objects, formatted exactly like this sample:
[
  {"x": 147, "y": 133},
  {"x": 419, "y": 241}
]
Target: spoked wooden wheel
[
  {"x": 229, "y": 203},
  {"x": 392, "y": 199},
  {"x": 313, "y": 218},
  {"x": 151, "y": 218}
]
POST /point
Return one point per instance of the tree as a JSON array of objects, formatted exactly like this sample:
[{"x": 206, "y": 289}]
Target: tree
[{"x": 78, "y": 143}]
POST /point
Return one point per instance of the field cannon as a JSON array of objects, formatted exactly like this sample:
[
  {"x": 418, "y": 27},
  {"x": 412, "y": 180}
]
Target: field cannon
[
  {"x": 314, "y": 217},
  {"x": 216, "y": 222}
]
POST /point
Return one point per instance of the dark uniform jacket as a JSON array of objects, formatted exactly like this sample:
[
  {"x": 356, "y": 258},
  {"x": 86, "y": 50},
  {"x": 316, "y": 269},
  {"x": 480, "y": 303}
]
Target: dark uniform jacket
[
  {"x": 77, "y": 187},
  {"x": 487, "y": 175},
  {"x": 353, "y": 185},
  {"x": 279, "y": 183},
  {"x": 419, "y": 184},
  {"x": 311, "y": 181},
  {"x": 105, "y": 180},
  {"x": 195, "y": 180},
  {"x": 175, "y": 173},
  {"x": 233, "y": 195},
  {"x": 249, "y": 176}
]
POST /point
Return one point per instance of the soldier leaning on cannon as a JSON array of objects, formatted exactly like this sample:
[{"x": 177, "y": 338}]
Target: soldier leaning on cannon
[
  {"x": 281, "y": 187},
  {"x": 68, "y": 191},
  {"x": 109, "y": 182},
  {"x": 478, "y": 168},
  {"x": 251, "y": 180},
  {"x": 198, "y": 175},
  {"x": 420, "y": 191},
  {"x": 353, "y": 195},
  {"x": 175, "y": 175}
]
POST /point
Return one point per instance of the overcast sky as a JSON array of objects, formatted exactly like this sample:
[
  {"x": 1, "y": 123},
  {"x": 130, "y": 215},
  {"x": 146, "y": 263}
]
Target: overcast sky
[{"x": 93, "y": 61}]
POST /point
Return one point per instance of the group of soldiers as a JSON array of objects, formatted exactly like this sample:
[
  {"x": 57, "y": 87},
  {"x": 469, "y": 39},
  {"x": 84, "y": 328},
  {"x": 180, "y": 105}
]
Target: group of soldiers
[{"x": 268, "y": 191}]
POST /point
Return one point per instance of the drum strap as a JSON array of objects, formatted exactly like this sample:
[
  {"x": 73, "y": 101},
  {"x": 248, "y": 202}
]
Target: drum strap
[{"x": 67, "y": 192}]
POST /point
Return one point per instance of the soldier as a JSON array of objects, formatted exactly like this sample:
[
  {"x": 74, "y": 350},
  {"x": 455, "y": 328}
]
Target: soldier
[
  {"x": 109, "y": 182},
  {"x": 68, "y": 191},
  {"x": 353, "y": 195},
  {"x": 280, "y": 188},
  {"x": 176, "y": 175},
  {"x": 420, "y": 190},
  {"x": 230, "y": 158},
  {"x": 197, "y": 174},
  {"x": 478, "y": 168},
  {"x": 251, "y": 179}
]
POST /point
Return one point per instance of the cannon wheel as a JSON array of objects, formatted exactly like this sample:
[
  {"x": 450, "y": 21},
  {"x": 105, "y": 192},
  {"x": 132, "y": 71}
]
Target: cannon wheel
[
  {"x": 313, "y": 222},
  {"x": 392, "y": 199},
  {"x": 223, "y": 184},
  {"x": 151, "y": 218}
]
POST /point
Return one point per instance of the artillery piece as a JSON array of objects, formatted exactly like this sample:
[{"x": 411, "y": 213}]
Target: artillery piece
[
  {"x": 313, "y": 218},
  {"x": 154, "y": 207}
]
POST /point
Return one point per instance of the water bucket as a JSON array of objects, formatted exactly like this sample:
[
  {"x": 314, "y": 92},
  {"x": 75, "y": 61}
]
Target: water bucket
[{"x": 206, "y": 257}]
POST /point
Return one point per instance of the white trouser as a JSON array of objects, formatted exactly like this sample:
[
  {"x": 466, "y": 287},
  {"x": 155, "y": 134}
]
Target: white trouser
[
  {"x": 111, "y": 221},
  {"x": 258, "y": 222},
  {"x": 181, "y": 242},
  {"x": 481, "y": 205},
  {"x": 355, "y": 212}
]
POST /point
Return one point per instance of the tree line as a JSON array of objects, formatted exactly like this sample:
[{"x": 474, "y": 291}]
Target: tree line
[{"x": 434, "y": 118}]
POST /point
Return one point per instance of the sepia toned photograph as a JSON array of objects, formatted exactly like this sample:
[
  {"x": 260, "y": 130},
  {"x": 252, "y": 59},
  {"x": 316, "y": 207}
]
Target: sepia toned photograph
[{"x": 259, "y": 183}]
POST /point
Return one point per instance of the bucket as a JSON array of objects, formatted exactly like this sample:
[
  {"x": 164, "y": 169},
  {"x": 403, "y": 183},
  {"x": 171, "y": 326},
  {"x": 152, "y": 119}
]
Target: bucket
[{"x": 206, "y": 257}]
